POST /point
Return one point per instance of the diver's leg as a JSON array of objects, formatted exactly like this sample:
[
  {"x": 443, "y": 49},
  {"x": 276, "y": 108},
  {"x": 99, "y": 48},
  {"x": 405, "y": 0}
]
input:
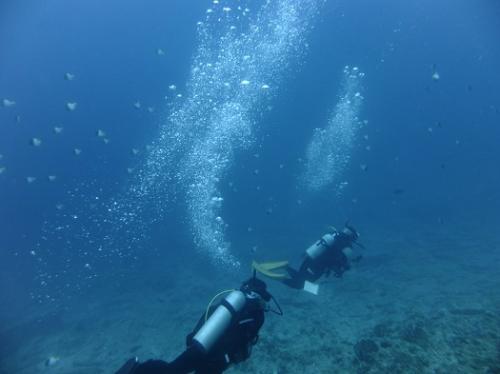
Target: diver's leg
[
  {"x": 296, "y": 279},
  {"x": 153, "y": 367},
  {"x": 214, "y": 365}
]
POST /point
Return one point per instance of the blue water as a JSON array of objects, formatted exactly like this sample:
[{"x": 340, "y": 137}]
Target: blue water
[{"x": 180, "y": 183}]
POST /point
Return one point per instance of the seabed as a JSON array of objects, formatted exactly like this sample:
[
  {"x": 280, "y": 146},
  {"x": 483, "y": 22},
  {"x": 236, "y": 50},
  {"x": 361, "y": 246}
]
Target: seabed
[{"x": 422, "y": 301}]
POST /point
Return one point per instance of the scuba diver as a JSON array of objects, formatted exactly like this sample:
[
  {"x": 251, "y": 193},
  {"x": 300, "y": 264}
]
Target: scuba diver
[
  {"x": 333, "y": 252},
  {"x": 224, "y": 335}
]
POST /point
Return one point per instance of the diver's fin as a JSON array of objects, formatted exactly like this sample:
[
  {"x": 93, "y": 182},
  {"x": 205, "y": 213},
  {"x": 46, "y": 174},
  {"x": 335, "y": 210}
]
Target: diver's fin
[
  {"x": 273, "y": 265},
  {"x": 268, "y": 269}
]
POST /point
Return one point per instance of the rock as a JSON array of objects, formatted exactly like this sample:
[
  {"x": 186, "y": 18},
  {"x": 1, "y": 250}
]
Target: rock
[
  {"x": 365, "y": 350},
  {"x": 414, "y": 334},
  {"x": 386, "y": 344},
  {"x": 381, "y": 330}
]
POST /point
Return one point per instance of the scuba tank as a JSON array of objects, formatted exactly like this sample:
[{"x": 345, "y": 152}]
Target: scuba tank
[
  {"x": 219, "y": 321},
  {"x": 321, "y": 245}
]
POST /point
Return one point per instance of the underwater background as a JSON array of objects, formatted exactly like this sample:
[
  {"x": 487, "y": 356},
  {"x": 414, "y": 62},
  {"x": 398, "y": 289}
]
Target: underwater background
[{"x": 149, "y": 151}]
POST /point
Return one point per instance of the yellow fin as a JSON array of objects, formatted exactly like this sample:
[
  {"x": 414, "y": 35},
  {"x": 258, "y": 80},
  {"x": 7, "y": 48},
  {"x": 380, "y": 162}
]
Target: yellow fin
[{"x": 266, "y": 268}]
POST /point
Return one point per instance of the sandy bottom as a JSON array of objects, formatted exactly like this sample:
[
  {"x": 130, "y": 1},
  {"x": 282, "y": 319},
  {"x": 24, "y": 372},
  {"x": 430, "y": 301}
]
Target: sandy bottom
[{"x": 424, "y": 302}]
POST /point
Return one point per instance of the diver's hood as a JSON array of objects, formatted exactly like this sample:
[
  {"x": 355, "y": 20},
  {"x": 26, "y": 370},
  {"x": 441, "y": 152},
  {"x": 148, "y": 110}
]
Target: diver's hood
[
  {"x": 351, "y": 232},
  {"x": 256, "y": 285}
]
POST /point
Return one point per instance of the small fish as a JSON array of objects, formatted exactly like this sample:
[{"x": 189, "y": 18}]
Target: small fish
[
  {"x": 160, "y": 52},
  {"x": 77, "y": 151},
  {"x": 100, "y": 133},
  {"x": 137, "y": 105},
  {"x": 435, "y": 76},
  {"x": 30, "y": 179},
  {"x": 135, "y": 151},
  {"x": 71, "y": 106},
  {"x": 8, "y": 103},
  {"x": 2, "y": 169},
  {"x": 57, "y": 130},
  {"x": 363, "y": 167},
  {"x": 35, "y": 142},
  {"x": 69, "y": 76},
  {"x": 51, "y": 361},
  {"x": 245, "y": 82},
  {"x": 51, "y": 178},
  {"x": 172, "y": 87}
]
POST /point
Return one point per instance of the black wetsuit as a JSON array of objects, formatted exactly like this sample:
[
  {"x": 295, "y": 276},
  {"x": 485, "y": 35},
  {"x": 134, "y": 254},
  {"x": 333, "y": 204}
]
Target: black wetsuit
[
  {"x": 233, "y": 347},
  {"x": 332, "y": 259}
]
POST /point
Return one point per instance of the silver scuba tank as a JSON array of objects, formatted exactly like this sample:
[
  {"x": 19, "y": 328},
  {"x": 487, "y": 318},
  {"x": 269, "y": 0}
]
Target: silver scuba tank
[
  {"x": 320, "y": 245},
  {"x": 220, "y": 320}
]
